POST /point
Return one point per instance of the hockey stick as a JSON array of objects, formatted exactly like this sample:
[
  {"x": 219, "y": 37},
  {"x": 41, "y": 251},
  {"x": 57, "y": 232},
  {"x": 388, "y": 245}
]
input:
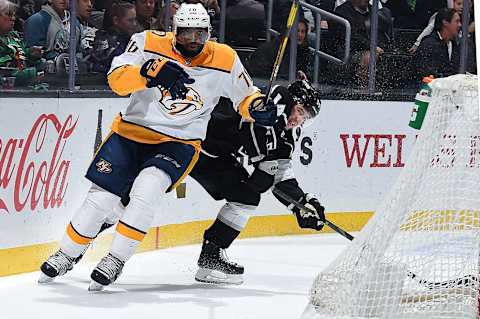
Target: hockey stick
[
  {"x": 468, "y": 280},
  {"x": 302, "y": 207},
  {"x": 283, "y": 44}
]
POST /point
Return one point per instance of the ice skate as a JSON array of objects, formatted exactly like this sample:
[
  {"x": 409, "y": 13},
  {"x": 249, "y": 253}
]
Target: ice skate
[
  {"x": 106, "y": 272},
  {"x": 56, "y": 265},
  {"x": 214, "y": 266}
]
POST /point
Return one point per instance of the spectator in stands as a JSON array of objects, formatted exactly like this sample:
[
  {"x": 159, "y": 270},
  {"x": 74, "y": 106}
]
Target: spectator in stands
[
  {"x": 424, "y": 9},
  {"x": 14, "y": 55},
  {"x": 99, "y": 7},
  {"x": 145, "y": 10},
  {"x": 260, "y": 63},
  {"x": 84, "y": 10},
  {"x": 119, "y": 24},
  {"x": 50, "y": 29},
  {"x": 245, "y": 22},
  {"x": 439, "y": 53},
  {"x": 458, "y": 7},
  {"x": 26, "y": 8},
  {"x": 357, "y": 12},
  {"x": 402, "y": 13},
  {"x": 161, "y": 25}
]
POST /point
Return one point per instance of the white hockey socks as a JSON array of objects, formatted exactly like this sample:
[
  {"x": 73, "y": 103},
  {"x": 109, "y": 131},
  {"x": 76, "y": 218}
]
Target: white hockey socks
[
  {"x": 87, "y": 221},
  {"x": 145, "y": 196}
]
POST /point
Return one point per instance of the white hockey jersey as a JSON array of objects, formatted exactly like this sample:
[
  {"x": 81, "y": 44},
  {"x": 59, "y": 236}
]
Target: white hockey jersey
[{"x": 217, "y": 72}]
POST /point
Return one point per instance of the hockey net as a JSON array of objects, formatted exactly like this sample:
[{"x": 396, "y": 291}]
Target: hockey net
[{"x": 418, "y": 256}]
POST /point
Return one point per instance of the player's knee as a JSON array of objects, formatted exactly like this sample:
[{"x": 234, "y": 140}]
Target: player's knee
[
  {"x": 100, "y": 199},
  {"x": 236, "y": 214},
  {"x": 149, "y": 187}
]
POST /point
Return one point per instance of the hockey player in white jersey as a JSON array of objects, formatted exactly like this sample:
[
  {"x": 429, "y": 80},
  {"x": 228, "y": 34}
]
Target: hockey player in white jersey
[{"x": 174, "y": 80}]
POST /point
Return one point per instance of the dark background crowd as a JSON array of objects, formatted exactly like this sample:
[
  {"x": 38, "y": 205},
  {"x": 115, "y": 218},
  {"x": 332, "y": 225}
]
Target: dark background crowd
[{"x": 416, "y": 38}]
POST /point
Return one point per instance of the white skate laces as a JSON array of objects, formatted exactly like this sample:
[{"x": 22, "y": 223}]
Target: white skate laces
[
  {"x": 106, "y": 272},
  {"x": 56, "y": 265}
]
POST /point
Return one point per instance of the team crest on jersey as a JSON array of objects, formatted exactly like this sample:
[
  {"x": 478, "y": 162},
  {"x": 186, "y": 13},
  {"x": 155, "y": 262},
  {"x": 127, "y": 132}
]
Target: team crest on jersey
[
  {"x": 103, "y": 166},
  {"x": 192, "y": 102}
]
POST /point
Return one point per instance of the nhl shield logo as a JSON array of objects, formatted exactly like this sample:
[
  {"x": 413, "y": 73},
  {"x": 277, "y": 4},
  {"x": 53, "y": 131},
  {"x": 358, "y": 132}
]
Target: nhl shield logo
[{"x": 103, "y": 166}]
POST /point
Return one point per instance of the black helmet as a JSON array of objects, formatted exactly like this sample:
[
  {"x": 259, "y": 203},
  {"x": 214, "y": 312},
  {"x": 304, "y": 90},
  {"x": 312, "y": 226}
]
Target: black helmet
[{"x": 304, "y": 93}]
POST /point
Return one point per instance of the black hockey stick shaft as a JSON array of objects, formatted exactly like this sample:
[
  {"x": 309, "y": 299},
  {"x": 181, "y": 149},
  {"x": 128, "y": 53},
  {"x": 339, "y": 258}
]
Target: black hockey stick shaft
[
  {"x": 283, "y": 44},
  {"x": 468, "y": 280},
  {"x": 302, "y": 207}
]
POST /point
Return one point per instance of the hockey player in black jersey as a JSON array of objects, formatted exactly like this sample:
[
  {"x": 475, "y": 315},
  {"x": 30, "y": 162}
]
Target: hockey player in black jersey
[{"x": 270, "y": 151}]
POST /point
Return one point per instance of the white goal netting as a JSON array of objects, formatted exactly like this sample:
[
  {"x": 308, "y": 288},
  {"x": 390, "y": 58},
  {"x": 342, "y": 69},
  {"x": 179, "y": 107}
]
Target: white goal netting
[{"x": 418, "y": 257}]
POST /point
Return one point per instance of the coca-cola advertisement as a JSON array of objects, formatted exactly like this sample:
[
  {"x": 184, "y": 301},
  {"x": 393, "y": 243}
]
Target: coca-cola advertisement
[
  {"x": 46, "y": 146},
  {"x": 34, "y": 172}
]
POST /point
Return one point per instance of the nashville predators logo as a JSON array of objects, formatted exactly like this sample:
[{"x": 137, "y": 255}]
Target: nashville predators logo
[
  {"x": 103, "y": 166},
  {"x": 192, "y": 102}
]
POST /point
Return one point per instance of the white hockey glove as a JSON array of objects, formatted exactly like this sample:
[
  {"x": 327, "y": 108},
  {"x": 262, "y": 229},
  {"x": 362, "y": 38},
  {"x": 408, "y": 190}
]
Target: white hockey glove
[{"x": 307, "y": 219}]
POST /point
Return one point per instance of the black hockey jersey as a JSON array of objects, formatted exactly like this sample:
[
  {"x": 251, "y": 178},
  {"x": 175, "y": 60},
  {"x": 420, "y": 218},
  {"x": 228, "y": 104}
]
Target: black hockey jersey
[{"x": 227, "y": 135}]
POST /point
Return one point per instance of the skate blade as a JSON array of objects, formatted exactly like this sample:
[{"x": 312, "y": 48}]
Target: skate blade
[
  {"x": 217, "y": 277},
  {"x": 44, "y": 279},
  {"x": 95, "y": 286}
]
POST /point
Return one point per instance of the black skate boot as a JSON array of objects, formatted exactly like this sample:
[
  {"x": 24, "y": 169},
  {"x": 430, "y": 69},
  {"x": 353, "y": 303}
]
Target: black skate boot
[
  {"x": 106, "y": 272},
  {"x": 214, "y": 266},
  {"x": 56, "y": 265}
]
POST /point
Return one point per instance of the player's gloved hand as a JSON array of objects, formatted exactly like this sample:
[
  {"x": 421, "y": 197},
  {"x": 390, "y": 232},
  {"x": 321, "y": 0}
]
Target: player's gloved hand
[
  {"x": 306, "y": 219},
  {"x": 263, "y": 176},
  {"x": 264, "y": 113},
  {"x": 168, "y": 75}
]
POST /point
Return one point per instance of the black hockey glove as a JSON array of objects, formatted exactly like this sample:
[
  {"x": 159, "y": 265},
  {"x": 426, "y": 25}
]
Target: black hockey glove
[
  {"x": 168, "y": 75},
  {"x": 263, "y": 176},
  {"x": 264, "y": 113},
  {"x": 307, "y": 219}
]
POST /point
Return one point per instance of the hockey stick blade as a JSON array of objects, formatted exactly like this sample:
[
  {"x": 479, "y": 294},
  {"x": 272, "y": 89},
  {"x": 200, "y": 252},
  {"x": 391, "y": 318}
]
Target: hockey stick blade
[{"x": 468, "y": 280}]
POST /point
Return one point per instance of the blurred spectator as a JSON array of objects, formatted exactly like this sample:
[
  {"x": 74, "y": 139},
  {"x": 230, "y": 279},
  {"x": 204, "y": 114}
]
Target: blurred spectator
[
  {"x": 424, "y": 9},
  {"x": 402, "y": 13},
  {"x": 99, "y": 7},
  {"x": 26, "y": 8},
  {"x": 245, "y": 22},
  {"x": 39, "y": 4},
  {"x": 50, "y": 29},
  {"x": 357, "y": 12},
  {"x": 458, "y": 7},
  {"x": 161, "y": 25},
  {"x": 281, "y": 9},
  {"x": 260, "y": 63},
  {"x": 15, "y": 58},
  {"x": 84, "y": 10},
  {"x": 145, "y": 15},
  {"x": 439, "y": 53},
  {"x": 119, "y": 24}
]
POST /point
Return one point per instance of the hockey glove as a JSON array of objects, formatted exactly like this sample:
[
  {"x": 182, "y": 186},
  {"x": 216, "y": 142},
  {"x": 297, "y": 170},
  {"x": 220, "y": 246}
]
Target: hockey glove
[
  {"x": 264, "y": 113},
  {"x": 168, "y": 75},
  {"x": 307, "y": 219},
  {"x": 263, "y": 176}
]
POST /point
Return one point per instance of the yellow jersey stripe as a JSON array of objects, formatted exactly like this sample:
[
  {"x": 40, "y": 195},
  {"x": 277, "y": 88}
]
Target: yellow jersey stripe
[
  {"x": 76, "y": 236},
  {"x": 129, "y": 231},
  {"x": 126, "y": 79},
  {"x": 145, "y": 135}
]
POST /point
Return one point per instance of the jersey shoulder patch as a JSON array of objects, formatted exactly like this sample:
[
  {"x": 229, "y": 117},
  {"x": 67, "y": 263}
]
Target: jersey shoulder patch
[
  {"x": 159, "y": 42},
  {"x": 221, "y": 57}
]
